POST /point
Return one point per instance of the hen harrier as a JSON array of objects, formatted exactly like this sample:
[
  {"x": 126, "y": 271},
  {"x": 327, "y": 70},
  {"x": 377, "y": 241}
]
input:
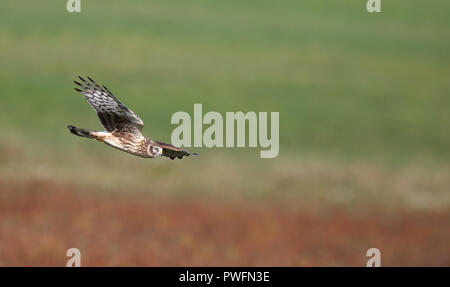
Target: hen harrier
[{"x": 123, "y": 128}]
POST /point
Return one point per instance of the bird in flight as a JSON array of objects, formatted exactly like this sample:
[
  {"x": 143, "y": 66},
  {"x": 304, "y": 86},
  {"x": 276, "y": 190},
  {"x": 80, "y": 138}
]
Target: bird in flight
[{"x": 123, "y": 128}]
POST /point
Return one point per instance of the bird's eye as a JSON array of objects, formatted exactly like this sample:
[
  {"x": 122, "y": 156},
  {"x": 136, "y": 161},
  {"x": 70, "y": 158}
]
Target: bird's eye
[{"x": 156, "y": 149}]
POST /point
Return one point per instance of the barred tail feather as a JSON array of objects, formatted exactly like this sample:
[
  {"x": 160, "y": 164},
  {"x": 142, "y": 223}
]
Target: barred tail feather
[{"x": 80, "y": 132}]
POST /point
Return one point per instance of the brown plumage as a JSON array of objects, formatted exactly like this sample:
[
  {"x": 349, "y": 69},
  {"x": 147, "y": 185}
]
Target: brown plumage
[{"x": 123, "y": 128}]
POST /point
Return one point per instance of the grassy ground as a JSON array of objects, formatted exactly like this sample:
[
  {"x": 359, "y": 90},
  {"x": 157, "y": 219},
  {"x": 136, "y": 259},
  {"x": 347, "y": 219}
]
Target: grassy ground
[
  {"x": 120, "y": 230},
  {"x": 364, "y": 157}
]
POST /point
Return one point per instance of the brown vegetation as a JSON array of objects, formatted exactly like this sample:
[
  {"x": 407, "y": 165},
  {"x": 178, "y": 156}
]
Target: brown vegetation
[{"x": 39, "y": 221}]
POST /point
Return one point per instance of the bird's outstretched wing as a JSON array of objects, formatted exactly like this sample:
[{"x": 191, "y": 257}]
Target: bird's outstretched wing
[
  {"x": 173, "y": 151},
  {"x": 112, "y": 113}
]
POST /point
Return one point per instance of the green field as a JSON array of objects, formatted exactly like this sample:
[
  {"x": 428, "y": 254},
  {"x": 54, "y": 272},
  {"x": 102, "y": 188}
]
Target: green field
[
  {"x": 348, "y": 84},
  {"x": 363, "y": 98}
]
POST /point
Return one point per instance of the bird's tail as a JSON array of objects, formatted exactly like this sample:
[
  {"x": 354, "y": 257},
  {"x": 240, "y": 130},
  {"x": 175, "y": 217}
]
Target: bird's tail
[{"x": 81, "y": 132}]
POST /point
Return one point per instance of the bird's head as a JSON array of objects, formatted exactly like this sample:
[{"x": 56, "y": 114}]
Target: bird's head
[{"x": 154, "y": 150}]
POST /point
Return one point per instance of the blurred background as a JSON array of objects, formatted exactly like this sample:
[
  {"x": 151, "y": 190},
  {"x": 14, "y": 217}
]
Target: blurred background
[{"x": 364, "y": 133}]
